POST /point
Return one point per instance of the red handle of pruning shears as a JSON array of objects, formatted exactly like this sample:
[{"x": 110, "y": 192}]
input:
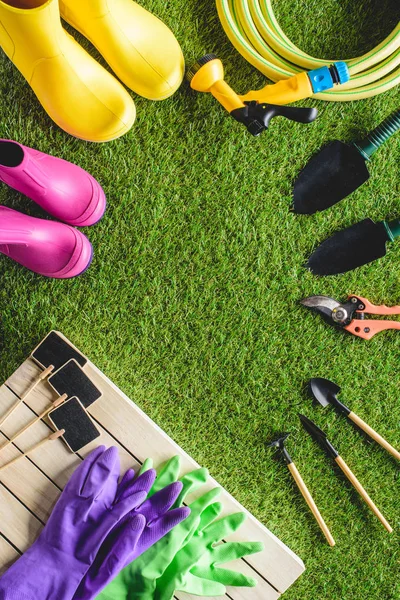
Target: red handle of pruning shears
[
  {"x": 382, "y": 309},
  {"x": 367, "y": 328}
]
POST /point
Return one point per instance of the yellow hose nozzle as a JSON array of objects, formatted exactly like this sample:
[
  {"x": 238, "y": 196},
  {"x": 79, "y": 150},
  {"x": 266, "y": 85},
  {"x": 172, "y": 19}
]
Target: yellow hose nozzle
[{"x": 256, "y": 108}]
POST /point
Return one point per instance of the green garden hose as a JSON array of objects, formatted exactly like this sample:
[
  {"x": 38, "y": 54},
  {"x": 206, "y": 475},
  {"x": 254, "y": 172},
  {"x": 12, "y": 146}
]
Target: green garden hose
[{"x": 253, "y": 29}]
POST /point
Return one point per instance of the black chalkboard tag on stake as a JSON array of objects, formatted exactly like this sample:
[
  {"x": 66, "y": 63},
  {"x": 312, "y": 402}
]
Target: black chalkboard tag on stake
[
  {"x": 51, "y": 354},
  {"x": 76, "y": 422},
  {"x": 71, "y": 380},
  {"x": 72, "y": 423},
  {"x": 55, "y": 351}
]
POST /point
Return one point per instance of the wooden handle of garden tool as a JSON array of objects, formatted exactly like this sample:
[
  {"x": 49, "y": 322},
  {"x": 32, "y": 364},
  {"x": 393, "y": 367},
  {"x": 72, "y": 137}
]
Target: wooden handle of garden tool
[
  {"x": 310, "y": 501},
  {"x": 56, "y": 403},
  {"x": 354, "y": 481},
  {"x": 53, "y": 436},
  {"x": 374, "y": 435}
]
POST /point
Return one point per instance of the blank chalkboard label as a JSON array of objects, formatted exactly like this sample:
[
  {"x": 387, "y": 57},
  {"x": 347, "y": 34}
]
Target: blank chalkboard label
[
  {"x": 73, "y": 381},
  {"x": 79, "y": 427},
  {"x": 54, "y": 350}
]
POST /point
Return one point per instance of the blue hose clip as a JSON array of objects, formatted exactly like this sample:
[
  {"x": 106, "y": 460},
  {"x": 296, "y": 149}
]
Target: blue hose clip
[{"x": 325, "y": 78}]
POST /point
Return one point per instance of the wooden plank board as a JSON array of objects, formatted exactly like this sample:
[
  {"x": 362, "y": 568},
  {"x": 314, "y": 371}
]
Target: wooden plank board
[
  {"x": 8, "y": 555},
  {"x": 18, "y": 524},
  {"x": 122, "y": 424}
]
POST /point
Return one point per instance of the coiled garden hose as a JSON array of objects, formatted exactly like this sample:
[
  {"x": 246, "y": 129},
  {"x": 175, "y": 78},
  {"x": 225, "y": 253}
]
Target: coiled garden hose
[{"x": 254, "y": 31}]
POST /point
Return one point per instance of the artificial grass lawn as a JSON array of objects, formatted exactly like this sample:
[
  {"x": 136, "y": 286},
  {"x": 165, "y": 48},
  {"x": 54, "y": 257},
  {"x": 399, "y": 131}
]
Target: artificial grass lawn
[{"x": 191, "y": 304}]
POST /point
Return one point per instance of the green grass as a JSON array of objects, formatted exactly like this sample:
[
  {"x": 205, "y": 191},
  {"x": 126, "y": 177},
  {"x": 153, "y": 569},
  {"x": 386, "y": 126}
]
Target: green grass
[{"x": 191, "y": 304}]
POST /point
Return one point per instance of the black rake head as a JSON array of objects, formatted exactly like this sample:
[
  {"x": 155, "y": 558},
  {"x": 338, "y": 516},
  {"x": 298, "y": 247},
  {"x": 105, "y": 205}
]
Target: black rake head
[{"x": 279, "y": 442}]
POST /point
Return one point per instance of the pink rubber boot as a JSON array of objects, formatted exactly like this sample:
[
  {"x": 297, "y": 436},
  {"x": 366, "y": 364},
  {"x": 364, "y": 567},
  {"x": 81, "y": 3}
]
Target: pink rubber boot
[
  {"x": 45, "y": 247},
  {"x": 62, "y": 189}
]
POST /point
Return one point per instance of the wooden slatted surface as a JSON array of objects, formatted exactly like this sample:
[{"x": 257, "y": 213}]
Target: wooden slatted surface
[{"x": 29, "y": 489}]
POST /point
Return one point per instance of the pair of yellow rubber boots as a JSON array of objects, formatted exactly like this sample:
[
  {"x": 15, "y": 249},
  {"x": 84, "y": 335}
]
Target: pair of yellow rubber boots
[{"x": 76, "y": 91}]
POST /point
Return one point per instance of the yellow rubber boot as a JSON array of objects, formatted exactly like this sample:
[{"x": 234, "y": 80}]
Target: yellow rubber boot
[
  {"x": 77, "y": 93},
  {"x": 139, "y": 48}
]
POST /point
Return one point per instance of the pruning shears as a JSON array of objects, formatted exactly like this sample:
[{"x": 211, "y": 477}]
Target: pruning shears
[{"x": 351, "y": 314}]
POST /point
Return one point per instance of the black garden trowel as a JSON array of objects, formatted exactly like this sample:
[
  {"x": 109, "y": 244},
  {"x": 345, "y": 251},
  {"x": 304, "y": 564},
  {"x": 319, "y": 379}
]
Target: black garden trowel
[
  {"x": 353, "y": 247},
  {"x": 338, "y": 169},
  {"x": 326, "y": 392},
  {"x": 321, "y": 438}
]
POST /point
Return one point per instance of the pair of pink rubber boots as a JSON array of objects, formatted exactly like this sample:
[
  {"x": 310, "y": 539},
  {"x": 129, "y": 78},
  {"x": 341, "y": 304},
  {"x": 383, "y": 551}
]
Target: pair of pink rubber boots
[{"x": 66, "y": 192}]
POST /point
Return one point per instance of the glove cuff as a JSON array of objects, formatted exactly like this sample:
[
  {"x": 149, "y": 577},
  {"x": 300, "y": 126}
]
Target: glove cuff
[
  {"x": 42, "y": 572},
  {"x": 10, "y": 594}
]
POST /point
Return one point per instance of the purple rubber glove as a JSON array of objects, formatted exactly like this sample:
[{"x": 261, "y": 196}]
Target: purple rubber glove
[
  {"x": 86, "y": 512},
  {"x": 121, "y": 547}
]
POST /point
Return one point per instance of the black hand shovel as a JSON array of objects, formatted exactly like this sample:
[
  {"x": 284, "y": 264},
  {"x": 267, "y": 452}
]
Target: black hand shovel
[
  {"x": 326, "y": 392},
  {"x": 339, "y": 169},
  {"x": 353, "y": 247}
]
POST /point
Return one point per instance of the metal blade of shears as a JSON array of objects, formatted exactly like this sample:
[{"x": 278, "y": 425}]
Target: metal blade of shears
[{"x": 323, "y": 305}]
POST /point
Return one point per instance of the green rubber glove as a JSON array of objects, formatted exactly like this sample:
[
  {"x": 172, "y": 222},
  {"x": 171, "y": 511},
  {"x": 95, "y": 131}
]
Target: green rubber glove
[
  {"x": 138, "y": 580},
  {"x": 195, "y": 568},
  {"x": 166, "y": 474}
]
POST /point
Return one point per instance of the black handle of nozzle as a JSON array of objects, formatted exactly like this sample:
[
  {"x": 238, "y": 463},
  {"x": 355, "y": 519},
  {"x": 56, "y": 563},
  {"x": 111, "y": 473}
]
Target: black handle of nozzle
[{"x": 256, "y": 117}]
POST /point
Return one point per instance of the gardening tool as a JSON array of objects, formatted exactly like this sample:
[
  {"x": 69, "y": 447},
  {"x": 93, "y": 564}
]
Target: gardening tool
[
  {"x": 353, "y": 247},
  {"x": 350, "y": 315},
  {"x": 61, "y": 188},
  {"x": 280, "y": 444},
  {"x": 321, "y": 438},
  {"x": 42, "y": 415},
  {"x": 339, "y": 169},
  {"x": 253, "y": 29},
  {"x": 325, "y": 392},
  {"x": 254, "y": 109},
  {"x": 50, "y": 438}
]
